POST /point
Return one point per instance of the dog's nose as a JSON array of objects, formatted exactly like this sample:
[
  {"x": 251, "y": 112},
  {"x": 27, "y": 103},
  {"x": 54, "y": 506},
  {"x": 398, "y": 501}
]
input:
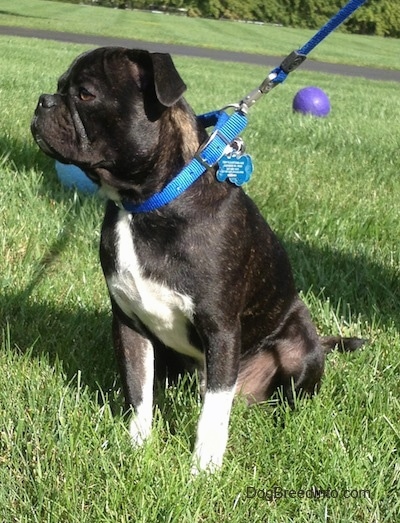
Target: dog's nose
[{"x": 47, "y": 100}]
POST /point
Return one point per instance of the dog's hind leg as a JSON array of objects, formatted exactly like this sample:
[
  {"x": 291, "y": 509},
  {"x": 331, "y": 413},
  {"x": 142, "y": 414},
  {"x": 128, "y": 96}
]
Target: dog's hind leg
[
  {"x": 135, "y": 356},
  {"x": 300, "y": 367},
  {"x": 292, "y": 362},
  {"x": 284, "y": 368},
  {"x": 299, "y": 355},
  {"x": 257, "y": 376}
]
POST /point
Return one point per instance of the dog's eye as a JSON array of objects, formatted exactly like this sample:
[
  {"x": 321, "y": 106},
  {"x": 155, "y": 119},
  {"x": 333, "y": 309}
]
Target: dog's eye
[{"x": 85, "y": 95}]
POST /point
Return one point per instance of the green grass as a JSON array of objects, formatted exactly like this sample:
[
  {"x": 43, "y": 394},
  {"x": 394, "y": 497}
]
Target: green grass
[
  {"x": 338, "y": 48},
  {"x": 329, "y": 187}
]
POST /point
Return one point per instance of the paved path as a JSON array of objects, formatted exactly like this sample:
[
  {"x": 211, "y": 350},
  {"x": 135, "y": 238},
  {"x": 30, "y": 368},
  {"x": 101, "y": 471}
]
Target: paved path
[{"x": 229, "y": 56}]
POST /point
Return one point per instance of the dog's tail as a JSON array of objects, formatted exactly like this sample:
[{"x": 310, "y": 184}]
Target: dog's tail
[{"x": 329, "y": 343}]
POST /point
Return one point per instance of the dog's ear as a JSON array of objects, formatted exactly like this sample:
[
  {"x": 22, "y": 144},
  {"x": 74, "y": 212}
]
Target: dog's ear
[
  {"x": 168, "y": 84},
  {"x": 156, "y": 72}
]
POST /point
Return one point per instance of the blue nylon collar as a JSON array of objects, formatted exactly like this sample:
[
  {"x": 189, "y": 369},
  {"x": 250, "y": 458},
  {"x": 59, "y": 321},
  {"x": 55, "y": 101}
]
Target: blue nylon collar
[{"x": 227, "y": 128}]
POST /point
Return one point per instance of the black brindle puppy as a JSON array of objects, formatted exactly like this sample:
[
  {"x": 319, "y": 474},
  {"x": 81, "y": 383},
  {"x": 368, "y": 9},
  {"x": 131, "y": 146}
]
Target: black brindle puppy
[{"x": 201, "y": 282}]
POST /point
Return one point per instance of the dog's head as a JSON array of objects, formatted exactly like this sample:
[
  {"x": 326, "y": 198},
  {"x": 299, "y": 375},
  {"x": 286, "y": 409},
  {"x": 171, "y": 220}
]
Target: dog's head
[{"x": 107, "y": 115}]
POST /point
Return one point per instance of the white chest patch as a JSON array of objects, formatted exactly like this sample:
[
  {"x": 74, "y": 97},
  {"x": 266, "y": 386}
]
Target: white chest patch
[{"x": 164, "y": 311}]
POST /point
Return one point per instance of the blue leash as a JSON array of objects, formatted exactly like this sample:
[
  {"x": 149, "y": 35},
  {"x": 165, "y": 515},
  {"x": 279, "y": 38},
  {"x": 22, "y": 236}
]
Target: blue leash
[
  {"x": 224, "y": 138},
  {"x": 331, "y": 25},
  {"x": 294, "y": 59}
]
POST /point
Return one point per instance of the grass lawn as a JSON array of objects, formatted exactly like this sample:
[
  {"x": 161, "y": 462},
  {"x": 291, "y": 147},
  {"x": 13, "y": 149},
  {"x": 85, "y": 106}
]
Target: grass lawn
[
  {"x": 330, "y": 189},
  {"x": 338, "y": 48}
]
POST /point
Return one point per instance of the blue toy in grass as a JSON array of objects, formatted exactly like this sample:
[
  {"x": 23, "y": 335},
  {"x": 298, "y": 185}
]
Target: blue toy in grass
[
  {"x": 73, "y": 177},
  {"x": 312, "y": 100}
]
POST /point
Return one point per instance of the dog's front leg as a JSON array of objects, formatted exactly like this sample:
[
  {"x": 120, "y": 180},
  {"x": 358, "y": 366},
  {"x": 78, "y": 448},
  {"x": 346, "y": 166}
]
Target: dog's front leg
[
  {"x": 222, "y": 363},
  {"x": 135, "y": 356}
]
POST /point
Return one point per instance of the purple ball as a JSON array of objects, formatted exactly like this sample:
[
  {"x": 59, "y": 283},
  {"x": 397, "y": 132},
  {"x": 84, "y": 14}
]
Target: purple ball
[{"x": 312, "y": 100}]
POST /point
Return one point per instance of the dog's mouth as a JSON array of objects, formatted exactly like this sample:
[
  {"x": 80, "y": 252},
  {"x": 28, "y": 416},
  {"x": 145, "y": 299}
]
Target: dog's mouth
[
  {"x": 48, "y": 149},
  {"x": 41, "y": 142},
  {"x": 45, "y": 147}
]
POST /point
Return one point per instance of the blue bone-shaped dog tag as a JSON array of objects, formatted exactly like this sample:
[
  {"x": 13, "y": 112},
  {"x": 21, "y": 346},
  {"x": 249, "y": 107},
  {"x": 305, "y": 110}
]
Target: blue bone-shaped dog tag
[{"x": 237, "y": 169}]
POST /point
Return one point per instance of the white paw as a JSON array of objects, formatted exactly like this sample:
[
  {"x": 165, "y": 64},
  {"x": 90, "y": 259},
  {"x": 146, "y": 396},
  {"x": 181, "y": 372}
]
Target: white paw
[
  {"x": 139, "y": 430},
  {"x": 209, "y": 452}
]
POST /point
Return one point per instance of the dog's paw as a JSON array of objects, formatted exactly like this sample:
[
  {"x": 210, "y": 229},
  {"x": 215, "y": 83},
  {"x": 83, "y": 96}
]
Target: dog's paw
[
  {"x": 197, "y": 468},
  {"x": 208, "y": 453},
  {"x": 139, "y": 431}
]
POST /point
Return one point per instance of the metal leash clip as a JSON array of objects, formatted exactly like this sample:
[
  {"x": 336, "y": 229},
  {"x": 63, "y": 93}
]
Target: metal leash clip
[{"x": 266, "y": 86}]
